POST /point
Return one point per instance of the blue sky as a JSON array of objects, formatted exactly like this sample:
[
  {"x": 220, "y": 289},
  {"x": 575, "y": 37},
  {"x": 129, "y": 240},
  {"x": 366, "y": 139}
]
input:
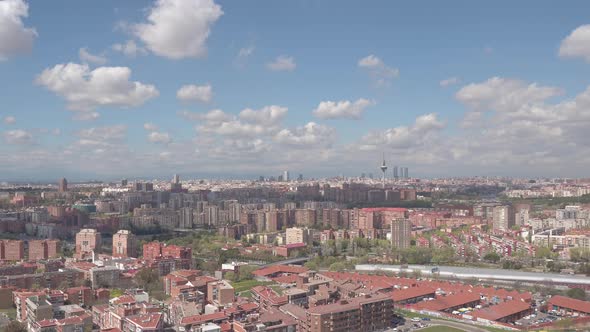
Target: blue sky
[{"x": 448, "y": 89}]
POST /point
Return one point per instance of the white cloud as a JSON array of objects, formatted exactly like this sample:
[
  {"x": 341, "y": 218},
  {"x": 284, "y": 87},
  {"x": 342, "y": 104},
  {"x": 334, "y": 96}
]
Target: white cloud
[
  {"x": 101, "y": 134},
  {"x": 577, "y": 44},
  {"x": 503, "y": 94},
  {"x": 282, "y": 63},
  {"x": 245, "y": 52},
  {"x": 450, "y": 81},
  {"x": 15, "y": 38},
  {"x": 268, "y": 115},
  {"x": 9, "y": 120},
  {"x": 248, "y": 123},
  {"x": 378, "y": 70},
  {"x": 342, "y": 109},
  {"x": 150, "y": 126},
  {"x": 402, "y": 137},
  {"x": 18, "y": 136},
  {"x": 307, "y": 136},
  {"x": 87, "y": 57},
  {"x": 129, "y": 49},
  {"x": 159, "y": 137},
  {"x": 195, "y": 93},
  {"x": 86, "y": 116},
  {"x": 211, "y": 116},
  {"x": 85, "y": 90},
  {"x": 178, "y": 29}
]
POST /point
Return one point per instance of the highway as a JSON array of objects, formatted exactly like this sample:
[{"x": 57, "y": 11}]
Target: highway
[{"x": 482, "y": 273}]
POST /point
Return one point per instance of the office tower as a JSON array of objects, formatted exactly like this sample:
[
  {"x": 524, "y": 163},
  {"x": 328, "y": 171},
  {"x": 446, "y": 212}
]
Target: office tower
[
  {"x": 401, "y": 233},
  {"x": 124, "y": 244},
  {"x": 395, "y": 174},
  {"x": 124, "y": 183},
  {"x": 87, "y": 242},
  {"x": 286, "y": 176},
  {"x": 383, "y": 170},
  {"x": 406, "y": 173},
  {"x": 63, "y": 185},
  {"x": 176, "y": 186},
  {"x": 300, "y": 177}
]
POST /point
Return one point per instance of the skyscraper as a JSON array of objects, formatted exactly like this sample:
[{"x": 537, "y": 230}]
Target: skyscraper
[
  {"x": 406, "y": 173},
  {"x": 63, "y": 185},
  {"x": 401, "y": 233},
  {"x": 395, "y": 173},
  {"x": 176, "y": 179},
  {"x": 286, "y": 176}
]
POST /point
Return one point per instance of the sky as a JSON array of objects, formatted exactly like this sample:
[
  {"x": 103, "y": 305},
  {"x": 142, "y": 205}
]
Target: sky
[{"x": 238, "y": 89}]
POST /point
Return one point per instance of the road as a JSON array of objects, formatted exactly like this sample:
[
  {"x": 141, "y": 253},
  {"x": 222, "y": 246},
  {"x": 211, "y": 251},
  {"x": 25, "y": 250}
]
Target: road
[{"x": 457, "y": 325}]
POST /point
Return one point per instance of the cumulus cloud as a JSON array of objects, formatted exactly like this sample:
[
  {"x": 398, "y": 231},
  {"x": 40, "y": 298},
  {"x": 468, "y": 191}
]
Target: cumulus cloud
[
  {"x": 215, "y": 116},
  {"x": 159, "y": 137},
  {"x": 577, "y": 44},
  {"x": 268, "y": 115},
  {"x": 248, "y": 123},
  {"x": 9, "y": 120},
  {"x": 86, "y": 116},
  {"x": 307, "y": 136},
  {"x": 449, "y": 81},
  {"x": 195, "y": 93},
  {"x": 87, "y": 57},
  {"x": 15, "y": 38},
  {"x": 379, "y": 71},
  {"x": 103, "y": 134},
  {"x": 150, "y": 126},
  {"x": 282, "y": 63},
  {"x": 424, "y": 129},
  {"x": 129, "y": 49},
  {"x": 18, "y": 136},
  {"x": 342, "y": 109},
  {"x": 86, "y": 90},
  {"x": 504, "y": 94},
  {"x": 178, "y": 29}
]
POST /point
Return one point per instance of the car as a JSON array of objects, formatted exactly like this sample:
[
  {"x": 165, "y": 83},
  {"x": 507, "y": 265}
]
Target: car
[
  {"x": 415, "y": 319},
  {"x": 425, "y": 319}
]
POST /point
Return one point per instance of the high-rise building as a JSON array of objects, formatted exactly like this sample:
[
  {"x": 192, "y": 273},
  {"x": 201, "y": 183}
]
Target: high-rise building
[
  {"x": 63, "y": 185},
  {"x": 124, "y": 182},
  {"x": 43, "y": 249},
  {"x": 124, "y": 244},
  {"x": 286, "y": 176},
  {"x": 175, "y": 186},
  {"x": 503, "y": 217},
  {"x": 401, "y": 233},
  {"x": 298, "y": 235},
  {"x": 12, "y": 250},
  {"x": 176, "y": 179},
  {"x": 88, "y": 241},
  {"x": 395, "y": 173},
  {"x": 186, "y": 218}
]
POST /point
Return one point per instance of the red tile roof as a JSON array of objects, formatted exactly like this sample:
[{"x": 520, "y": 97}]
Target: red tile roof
[
  {"x": 569, "y": 303},
  {"x": 410, "y": 293},
  {"x": 197, "y": 319},
  {"x": 147, "y": 321},
  {"x": 504, "y": 309},
  {"x": 450, "y": 301},
  {"x": 279, "y": 269}
]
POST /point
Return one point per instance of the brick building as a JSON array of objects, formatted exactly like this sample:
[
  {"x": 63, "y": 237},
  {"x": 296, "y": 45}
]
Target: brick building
[
  {"x": 43, "y": 249},
  {"x": 124, "y": 244},
  {"x": 88, "y": 241}
]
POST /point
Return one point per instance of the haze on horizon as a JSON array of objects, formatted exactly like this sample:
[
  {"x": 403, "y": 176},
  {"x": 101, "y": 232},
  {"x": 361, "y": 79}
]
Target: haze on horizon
[{"x": 231, "y": 89}]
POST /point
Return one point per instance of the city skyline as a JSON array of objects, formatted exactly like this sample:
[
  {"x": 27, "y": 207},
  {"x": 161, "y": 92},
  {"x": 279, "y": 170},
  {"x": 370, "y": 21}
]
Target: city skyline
[{"x": 121, "y": 90}]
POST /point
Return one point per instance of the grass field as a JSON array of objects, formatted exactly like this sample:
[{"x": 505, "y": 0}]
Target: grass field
[{"x": 245, "y": 285}]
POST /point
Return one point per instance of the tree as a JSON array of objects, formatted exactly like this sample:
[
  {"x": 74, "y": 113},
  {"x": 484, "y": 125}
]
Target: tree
[
  {"x": 337, "y": 267},
  {"x": 15, "y": 326},
  {"x": 492, "y": 257},
  {"x": 576, "y": 293}
]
